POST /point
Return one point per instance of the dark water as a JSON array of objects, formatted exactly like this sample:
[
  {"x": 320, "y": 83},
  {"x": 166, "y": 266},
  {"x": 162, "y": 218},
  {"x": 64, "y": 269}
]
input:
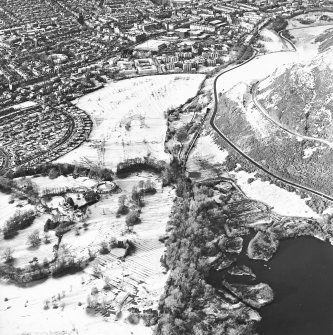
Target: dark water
[{"x": 301, "y": 275}]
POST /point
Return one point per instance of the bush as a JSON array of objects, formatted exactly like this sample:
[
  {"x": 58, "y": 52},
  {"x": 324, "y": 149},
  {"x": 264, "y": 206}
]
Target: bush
[
  {"x": 147, "y": 187},
  {"x": 132, "y": 218},
  {"x": 8, "y": 255},
  {"x": 5, "y": 185},
  {"x": 63, "y": 228},
  {"x": 66, "y": 265},
  {"x": 123, "y": 208},
  {"x": 182, "y": 134},
  {"x": 104, "y": 249},
  {"x": 54, "y": 173},
  {"x": 34, "y": 239},
  {"x": 137, "y": 197},
  {"x": 133, "y": 319},
  {"x": 91, "y": 196},
  {"x": 113, "y": 243}
]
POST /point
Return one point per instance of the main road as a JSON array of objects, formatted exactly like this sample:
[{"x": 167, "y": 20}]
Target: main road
[{"x": 240, "y": 151}]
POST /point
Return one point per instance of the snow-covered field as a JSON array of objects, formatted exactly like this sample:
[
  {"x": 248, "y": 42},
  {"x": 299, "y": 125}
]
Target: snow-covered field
[
  {"x": 23, "y": 313},
  {"x": 140, "y": 278},
  {"x": 272, "y": 42},
  {"x": 260, "y": 67},
  {"x": 282, "y": 201},
  {"x": 130, "y": 116},
  {"x": 61, "y": 181},
  {"x": 305, "y": 41},
  {"x": 206, "y": 158}
]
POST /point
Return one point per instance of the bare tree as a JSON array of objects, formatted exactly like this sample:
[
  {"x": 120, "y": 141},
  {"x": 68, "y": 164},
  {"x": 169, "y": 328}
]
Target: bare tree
[
  {"x": 7, "y": 255},
  {"x": 34, "y": 239}
]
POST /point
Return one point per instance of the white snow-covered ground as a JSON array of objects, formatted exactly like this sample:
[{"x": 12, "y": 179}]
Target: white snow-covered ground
[
  {"x": 23, "y": 313},
  {"x": 305, "y": 41},
  {"x": 205, "y": 154},
  {"x": 206, "y": 148},
  {"x": 62, "y": 181},
  {"x": 130, "y": 116},
  {"x": 314, "y": 16},
  {"x": 262, "y": 127},
  {"x": 272, "y": 41},
  {"x": 7, "y": 209},
  {"x": 264, "y": 66},
  {"x": 282, "y": 201},
  {"x": 44, "y": 183},
  {"x": 140, "y": 275}
]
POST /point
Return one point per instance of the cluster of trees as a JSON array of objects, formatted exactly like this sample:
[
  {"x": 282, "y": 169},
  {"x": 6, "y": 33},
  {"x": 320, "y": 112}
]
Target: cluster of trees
[
  {"x": 137, "y": 197},
  {"x": 132, "y": 218},
  {"x": 107, "y": 246},
  {"x": 67, "y": 265},
  {"x": 245, "y": 53},
  {"x": 22, "y": 189},
  {"x": 187, "y": 304},
  {"x": 146, "y": 187},
  {"x": 139, "y": 164},
  {"x": 63, "y": 263},
  {"x": 123, "y": 208},
  {"x": 53, "y": 170},
  {"x": 149, "y": 316},
  {"x": 18, "y": 221},
  {"x": 135, "y": 202},
  {"x": 279, "y": 23},
  {"x": 6, "y": 185}
]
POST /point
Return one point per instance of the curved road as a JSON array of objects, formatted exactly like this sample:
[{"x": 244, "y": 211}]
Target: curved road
[
  {"x": 262, "y": 168},
  {"x": 261, "y": 108}
]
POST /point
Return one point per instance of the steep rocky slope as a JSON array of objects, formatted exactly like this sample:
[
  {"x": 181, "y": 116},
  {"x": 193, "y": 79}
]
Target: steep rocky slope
[{"x": 301, "y": 97}]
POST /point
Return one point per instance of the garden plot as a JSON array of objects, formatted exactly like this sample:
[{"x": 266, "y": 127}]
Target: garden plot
[{"x": 129, "y": 117}]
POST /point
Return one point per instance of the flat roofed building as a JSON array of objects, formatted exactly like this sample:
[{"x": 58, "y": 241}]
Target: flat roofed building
[{"x": 151, "y": 45}]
